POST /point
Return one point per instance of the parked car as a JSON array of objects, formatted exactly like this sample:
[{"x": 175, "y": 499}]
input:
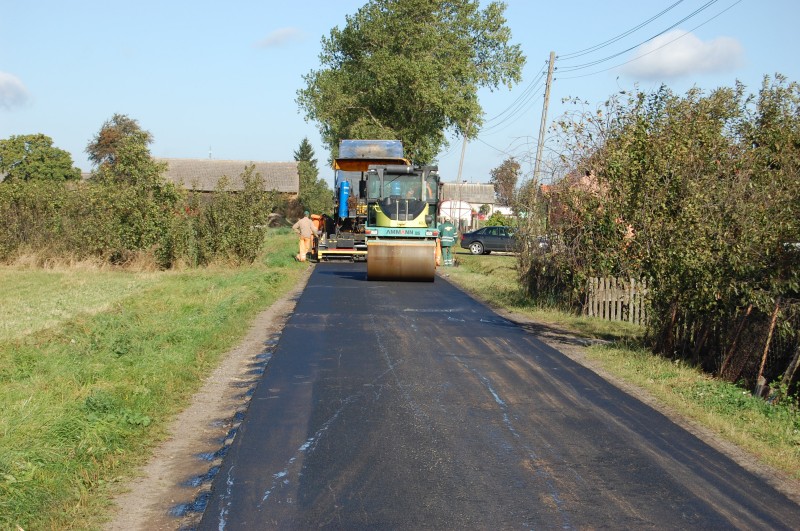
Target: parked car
[{"x": 488, "y": 239}]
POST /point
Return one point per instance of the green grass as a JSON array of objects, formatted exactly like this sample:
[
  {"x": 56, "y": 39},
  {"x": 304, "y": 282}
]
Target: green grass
[
  {"x": 771, "y": 432},
  {"x": 95, "y": 365},
  {"x": 34, "y": 300}
]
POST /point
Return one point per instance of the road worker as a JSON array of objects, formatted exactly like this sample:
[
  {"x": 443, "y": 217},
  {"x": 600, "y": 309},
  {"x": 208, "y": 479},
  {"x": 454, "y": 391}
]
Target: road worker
[
  {"x": 305, "y": 228},
  {"x": 318, "y": 222},
  {"x": 447, "y": 239}
]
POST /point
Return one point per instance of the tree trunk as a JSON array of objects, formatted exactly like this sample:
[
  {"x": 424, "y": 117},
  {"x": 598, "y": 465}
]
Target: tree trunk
[
  {"x": 668, "y": 336},
  {"x": 706, "y": 329},
  {"x": 788, "y": 375}
]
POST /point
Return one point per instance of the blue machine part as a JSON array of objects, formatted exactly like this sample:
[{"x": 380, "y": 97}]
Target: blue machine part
[{"x": 344, "y": 194}]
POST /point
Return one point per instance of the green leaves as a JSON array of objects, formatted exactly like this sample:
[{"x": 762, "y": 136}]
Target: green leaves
[
  {"x": 504, "y": 178},
  {"x": 314, "y": 195},
  {"x": 698, "y": 192},
  {"x": 33, "y": 157},
  {"x": 410, "y": 69}
]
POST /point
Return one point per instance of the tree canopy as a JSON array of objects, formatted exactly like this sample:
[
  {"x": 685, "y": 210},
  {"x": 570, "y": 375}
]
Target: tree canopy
[
  {"x": 504, "y": 178},
  {"x": 104, "y": 146},
  {"x": 410, "y": 70},
  {"x": 699, "y": 193},
  {"x": 33, "y": 157}
]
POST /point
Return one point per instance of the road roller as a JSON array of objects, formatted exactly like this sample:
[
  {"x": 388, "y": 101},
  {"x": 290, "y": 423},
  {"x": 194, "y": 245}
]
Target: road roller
[
  {"x": 384, "y": 212},
  {"x": 401, "y": 229}
]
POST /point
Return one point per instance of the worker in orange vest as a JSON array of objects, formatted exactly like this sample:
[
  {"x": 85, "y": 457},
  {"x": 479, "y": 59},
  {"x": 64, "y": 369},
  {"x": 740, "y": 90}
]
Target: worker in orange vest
[
  {"x": 317, "y": 221},
  {"x": 305, "y": 229}
]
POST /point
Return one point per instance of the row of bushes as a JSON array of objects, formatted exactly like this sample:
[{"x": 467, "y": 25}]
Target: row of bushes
[
  {"x": 118, "y": 222},
  {"x": 700, "y": 194}
]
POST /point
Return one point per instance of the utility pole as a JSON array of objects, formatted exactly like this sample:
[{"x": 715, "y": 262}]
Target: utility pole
[
  {"x": 463, "y": 150},
  {"x": 537, "y": 168},
  {"x": 460, "y": 167}
]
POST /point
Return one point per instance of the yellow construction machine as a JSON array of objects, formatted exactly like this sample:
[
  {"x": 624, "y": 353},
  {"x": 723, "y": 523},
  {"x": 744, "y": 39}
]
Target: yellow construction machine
[{"x": 386, "y": 212}]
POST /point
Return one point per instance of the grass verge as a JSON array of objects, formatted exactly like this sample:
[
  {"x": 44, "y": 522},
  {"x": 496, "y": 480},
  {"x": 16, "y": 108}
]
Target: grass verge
[
  {"x": 770, "y": 432},
  {"x": 93, "y": 369}
]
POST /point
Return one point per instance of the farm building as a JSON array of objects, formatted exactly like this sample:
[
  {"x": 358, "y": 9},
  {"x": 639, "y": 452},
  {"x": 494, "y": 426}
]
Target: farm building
[{"x": 203, "y": 175}]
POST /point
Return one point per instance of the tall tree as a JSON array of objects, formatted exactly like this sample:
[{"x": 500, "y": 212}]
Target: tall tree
[
  {"x": 121, "y": 151},
  {"x": 104, "y": 147},
  {"x": 411, "y": 70},
  {"x": 314, "y": 195},
  {"x": 33, "y": 157},
  {"x": 305, "y": 153},
  {"x": 504, "y": 178}
]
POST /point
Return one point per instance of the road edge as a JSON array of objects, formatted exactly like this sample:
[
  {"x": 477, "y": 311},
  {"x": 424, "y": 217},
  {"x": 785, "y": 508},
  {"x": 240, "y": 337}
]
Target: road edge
[
  {"x": 574, "y": 347},
  {"x": 168, "y": 490}
]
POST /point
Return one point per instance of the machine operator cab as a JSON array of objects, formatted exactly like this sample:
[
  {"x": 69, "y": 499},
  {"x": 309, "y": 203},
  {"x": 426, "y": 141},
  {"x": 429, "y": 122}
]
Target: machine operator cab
[{"x": 402, "y": 196}]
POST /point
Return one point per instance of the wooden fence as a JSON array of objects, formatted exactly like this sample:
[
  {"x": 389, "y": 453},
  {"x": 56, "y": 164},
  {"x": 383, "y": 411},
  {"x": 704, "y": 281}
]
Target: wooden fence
[{"x": 617, "y": 299}]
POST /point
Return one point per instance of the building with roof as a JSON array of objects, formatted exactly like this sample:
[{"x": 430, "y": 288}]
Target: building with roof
[
  {"x": 463, "y": 202},
  {"x": 203, "y": 175},
  {"x": 476, "y": 194}
]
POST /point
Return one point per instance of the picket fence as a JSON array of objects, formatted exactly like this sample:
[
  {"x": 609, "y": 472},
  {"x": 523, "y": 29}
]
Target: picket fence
[{"x": 617, "y": 299}]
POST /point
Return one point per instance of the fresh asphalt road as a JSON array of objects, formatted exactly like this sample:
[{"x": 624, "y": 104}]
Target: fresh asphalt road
[{"x": 410, "y": 406}]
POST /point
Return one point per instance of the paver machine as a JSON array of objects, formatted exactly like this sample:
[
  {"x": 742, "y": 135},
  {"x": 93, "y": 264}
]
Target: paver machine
[{"x": 343, "y": 233}]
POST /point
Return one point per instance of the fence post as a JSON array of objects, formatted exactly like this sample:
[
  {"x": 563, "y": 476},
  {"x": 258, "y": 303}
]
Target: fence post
[
  {"x": 760, "y": 382},
  {"x": 616, "y": 299}
]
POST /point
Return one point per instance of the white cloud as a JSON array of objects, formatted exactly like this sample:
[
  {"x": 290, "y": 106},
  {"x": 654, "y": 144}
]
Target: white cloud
[
  {"x": 279, "y": 37},
  {"x": 678, "y": 53},
  {"x": 12, "y": 92}
]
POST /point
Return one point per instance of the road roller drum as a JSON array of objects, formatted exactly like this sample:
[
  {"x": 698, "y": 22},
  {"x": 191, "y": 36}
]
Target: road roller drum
[{"x": 401, "y": 260}]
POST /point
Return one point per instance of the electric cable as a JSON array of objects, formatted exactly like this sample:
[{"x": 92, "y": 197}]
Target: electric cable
[
  {"x": 596, "y": 47},
  {"x": 510, "y": 119},
  {"x": 525, "y": 94},
  {"x": 608, "y": 58},
  {"x": 660, "y": 47}
]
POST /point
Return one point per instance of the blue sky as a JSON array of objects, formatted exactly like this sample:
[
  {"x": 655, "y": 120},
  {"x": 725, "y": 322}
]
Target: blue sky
[{"x": 222, "y": 76}]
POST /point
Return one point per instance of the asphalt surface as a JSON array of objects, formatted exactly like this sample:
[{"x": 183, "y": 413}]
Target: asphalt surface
[{"x": 399, "y": 405}]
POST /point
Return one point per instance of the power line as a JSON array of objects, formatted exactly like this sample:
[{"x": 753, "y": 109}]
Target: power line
[
  {"x": 655, "y": 50},
  {"x": 510, "y": 119},
  {"x": 526, "y": 95},
  {"x": 608, "y": 58},
  {"x": 596, "y": 47},
  {"x": 515, "y": 108}
]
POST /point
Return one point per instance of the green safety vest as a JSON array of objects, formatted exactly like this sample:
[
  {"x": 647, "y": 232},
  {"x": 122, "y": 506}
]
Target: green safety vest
[{"x": 448, "y": 234}]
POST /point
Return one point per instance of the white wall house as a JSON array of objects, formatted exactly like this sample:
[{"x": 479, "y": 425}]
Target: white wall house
[{"x": 463, "y": 201}]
